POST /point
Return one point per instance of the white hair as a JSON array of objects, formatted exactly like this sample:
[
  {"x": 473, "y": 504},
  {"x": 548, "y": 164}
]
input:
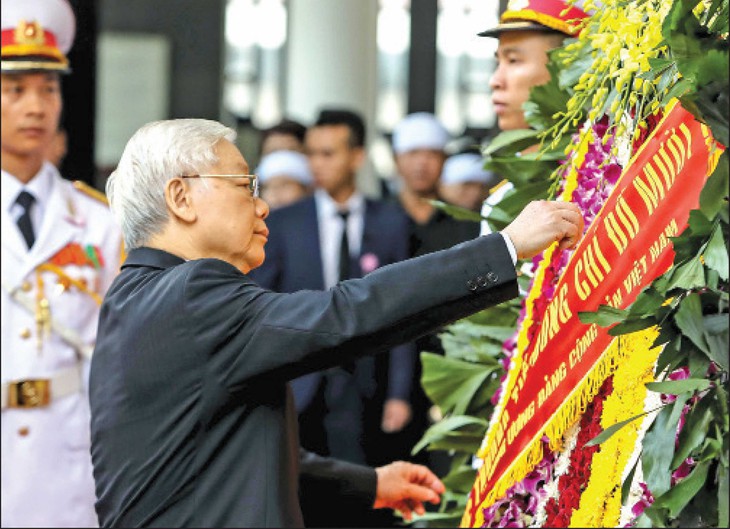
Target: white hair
[{"x": 156, "y": 153}]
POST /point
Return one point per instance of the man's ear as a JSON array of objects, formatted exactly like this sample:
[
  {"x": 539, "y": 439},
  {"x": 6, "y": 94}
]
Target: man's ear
[
  {"x": 178, "y": 200},
  {"x": 358, "y": 158}
]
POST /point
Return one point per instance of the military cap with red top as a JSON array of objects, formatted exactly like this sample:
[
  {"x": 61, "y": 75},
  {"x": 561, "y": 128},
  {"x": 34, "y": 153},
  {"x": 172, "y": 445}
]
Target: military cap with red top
[
  {"x": 539, "y": 15},
  {"x": 36, "y": 35}
]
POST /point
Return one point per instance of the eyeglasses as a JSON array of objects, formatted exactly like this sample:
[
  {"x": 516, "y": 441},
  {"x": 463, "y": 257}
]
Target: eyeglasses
[{"x": 253, "y": 180}]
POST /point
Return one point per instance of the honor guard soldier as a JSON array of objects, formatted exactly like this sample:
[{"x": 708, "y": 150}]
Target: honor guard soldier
[
  {"x": 527, "y": 31},
  {"x": 60, "y": 251}
]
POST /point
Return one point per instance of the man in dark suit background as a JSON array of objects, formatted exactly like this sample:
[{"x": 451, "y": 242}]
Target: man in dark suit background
[
  {"x": 340, "y": 234},
  {"x": 192, "y": 421},
  {"x": 345, "y": 412}
]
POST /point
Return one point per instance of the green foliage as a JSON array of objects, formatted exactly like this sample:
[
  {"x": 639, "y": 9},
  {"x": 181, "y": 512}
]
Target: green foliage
[
  {"x": 702, "y": 60},
  {"x": 457, "y": 212},
  {"x": 688, "y": 304},
  {"x": 461, "y": 383}
]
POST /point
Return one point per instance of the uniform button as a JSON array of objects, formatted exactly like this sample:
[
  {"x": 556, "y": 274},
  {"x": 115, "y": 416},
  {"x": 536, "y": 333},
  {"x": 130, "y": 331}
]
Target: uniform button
[
  {"x": 492, "y": 277},
  {"x": 482, "y": 281},
  {"x": 26, "y": 286},
  {"x": 25, "y": 333},
  {"x": 23, "y": 431},
  {"x": 472, "y": 285}
]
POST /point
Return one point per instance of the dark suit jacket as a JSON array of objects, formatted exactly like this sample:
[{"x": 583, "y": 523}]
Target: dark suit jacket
[
  {"x": 294, "y": 262},
  {"x": 192, "y": 423}
]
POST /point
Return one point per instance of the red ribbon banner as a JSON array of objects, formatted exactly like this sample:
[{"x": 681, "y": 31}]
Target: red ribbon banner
[{"x": 624, "y": 250}]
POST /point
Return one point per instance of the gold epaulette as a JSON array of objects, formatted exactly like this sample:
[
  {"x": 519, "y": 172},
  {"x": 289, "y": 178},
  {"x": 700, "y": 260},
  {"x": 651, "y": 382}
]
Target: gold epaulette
[
  {"x": 496, "y": 187},
  {"x": 87, "y": 190}
]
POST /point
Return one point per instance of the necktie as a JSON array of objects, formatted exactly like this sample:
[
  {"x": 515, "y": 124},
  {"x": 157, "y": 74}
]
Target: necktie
[
  {"x": 25, "y": 200},
  {"x": 344, "y": 248}
]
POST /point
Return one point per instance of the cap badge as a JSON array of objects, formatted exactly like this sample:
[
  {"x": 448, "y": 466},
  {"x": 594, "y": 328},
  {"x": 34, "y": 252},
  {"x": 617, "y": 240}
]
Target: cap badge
[
  {"x": 29, "y": 33},
  {"x": 517, "y": 5}
]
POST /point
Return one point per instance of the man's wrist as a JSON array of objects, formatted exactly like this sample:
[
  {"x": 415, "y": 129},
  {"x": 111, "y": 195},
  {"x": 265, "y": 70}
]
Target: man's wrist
[{"x": 510, "y": 247}]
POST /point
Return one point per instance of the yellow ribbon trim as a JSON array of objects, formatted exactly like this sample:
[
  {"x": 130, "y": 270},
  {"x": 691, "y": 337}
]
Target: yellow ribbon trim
[
  {"x": 574, "y": 404},
  {"x": 600, "y": 503}
]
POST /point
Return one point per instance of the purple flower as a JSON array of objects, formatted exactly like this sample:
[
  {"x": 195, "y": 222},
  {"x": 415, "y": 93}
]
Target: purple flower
[
  {"x": 683, "y": 470},
  {"x": 645, "y": 501}
]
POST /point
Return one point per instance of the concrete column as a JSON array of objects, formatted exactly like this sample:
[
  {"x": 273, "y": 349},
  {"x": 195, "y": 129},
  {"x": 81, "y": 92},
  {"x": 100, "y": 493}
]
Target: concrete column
[{"x": 331, "y": 61}]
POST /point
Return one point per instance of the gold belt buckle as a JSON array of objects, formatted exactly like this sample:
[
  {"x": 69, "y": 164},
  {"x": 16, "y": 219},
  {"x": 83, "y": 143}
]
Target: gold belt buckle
[{"x": 29, "y": 393}]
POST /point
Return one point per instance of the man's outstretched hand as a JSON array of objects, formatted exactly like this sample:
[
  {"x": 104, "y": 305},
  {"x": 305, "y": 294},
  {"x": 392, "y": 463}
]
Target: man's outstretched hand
[
  {"x": 405, "y": 487},
  {"x": 541, "y": 223}
]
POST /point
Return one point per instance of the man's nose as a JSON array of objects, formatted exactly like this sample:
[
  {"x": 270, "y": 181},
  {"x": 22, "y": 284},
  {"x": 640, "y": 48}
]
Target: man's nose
[
  {"x": 34, "y": 102},
  {"x": 496, "y": 82},
  {"x": 262, "y": 208}
]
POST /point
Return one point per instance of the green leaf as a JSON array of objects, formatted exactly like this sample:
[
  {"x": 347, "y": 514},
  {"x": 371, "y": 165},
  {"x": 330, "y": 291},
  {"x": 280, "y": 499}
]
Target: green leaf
[
  {"x": 457, "y": 212},
  {"x": 699, "y": 224},
  {"x": 656, "y": 517},
  {"x": 677, "y": 387},
  {"x": 679, "y": 89},
  {"x": 604, "y": 316},
  {"x": 689, "y": 320},
  {"x": 456, "y": 441},
  {"x": 659, "y": 64},
  {"x": 472, "y": 330},
  {"x": 460, "y": 480},
  {"x": 438, "y": 519},
  {"x": 510, "y": 142},
  {"x": 547, "y": 99},
  {"x": 681, "y": 494},
  {"x": 626, "y": 485},
  {"x": 632, "y": 325},
  {"x": 710, "y": 104},
  {"x": 647, "y": 302},
  {"x": 716, "y": 253},
  {"x": 722, "y": 410},
  {"x": 694, "y": 431},
  {"x": 608, "y": 432},
  {"x": 450, "y": 426},
  {"x": 670, "y": 354},
  {"x": 504, "y": 314},
  {"x": 713, "y": 196},
  {"x": 451, "y": 383},
  {"x": 723, "y": 496},
  {"x": 698, "y": 363},
  {"x": 525, "y": 169},
  {"x": 716, "y": 335},
  {"x": 515, "y": 201},
  {"x": 658, "y": 447},
  {"x": 689, "y": 275}
]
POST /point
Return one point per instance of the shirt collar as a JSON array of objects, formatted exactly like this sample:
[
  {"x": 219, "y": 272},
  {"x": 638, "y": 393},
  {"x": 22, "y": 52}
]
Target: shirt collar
[
  {"x": 40, "y": 186},
  {"x": 329, "y": 208}
]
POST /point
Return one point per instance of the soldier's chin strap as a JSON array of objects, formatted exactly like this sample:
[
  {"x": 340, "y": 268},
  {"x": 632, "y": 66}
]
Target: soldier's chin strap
[{"x": 71, "y": 337}]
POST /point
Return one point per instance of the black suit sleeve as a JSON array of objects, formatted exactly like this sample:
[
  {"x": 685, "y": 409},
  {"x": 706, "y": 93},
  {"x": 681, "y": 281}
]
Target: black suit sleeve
[
  {"x": 258, "y": 334},
  {"x": 327, "y": 483}
]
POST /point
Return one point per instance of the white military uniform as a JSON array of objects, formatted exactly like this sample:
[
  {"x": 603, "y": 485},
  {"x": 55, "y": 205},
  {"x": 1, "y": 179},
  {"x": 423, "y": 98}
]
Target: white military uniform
[{"x": 46, "y": 465}]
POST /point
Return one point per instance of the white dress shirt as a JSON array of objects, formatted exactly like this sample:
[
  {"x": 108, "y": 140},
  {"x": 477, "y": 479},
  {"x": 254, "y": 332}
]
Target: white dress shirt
[{"x": 330, "y": 231}]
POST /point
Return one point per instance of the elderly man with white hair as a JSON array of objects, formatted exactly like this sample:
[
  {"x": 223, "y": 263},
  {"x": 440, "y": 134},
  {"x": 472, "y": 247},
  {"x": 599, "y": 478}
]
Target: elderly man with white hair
[{"x": 192, "y": 420}]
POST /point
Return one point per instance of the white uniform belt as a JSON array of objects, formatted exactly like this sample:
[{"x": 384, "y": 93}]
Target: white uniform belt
[{"x": 39, "y": 392}]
